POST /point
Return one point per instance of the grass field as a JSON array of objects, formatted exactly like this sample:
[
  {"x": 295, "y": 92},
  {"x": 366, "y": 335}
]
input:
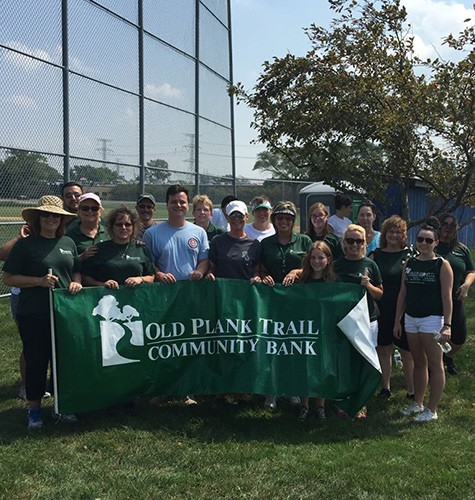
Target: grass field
[{"x": 204, "y": 451}]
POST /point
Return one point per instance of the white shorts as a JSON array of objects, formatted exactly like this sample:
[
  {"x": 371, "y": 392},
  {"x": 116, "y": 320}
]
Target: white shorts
[{"x": 428, "y": 324}]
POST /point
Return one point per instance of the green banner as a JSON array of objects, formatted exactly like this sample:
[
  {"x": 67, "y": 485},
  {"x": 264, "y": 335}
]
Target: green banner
[{"x": 202, "y": 337}]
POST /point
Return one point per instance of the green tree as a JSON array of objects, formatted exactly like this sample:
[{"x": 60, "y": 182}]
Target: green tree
[
  {"x": 369, "y": 109},
  {"x": 25, "y": 173},
  {"x": 95, "y": 175},
  {"x": 157, "y": 172}
]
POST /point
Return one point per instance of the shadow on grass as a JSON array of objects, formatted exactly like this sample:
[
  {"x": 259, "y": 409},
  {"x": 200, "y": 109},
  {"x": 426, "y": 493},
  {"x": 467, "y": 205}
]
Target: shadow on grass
[{"x": 208, "y": 422}]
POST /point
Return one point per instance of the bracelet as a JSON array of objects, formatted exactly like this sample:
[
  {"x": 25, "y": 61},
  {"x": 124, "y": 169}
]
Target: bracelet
[{"x": 448, "y": 325}]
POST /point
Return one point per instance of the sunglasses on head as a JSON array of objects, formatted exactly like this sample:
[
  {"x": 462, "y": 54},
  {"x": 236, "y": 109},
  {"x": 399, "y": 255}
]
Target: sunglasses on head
[
  {"x": 352, "y": 241},
  {"x": 45, "y": 215},
  {"x": 89, "y": 208},
  {"x": 429, "y": 241}
]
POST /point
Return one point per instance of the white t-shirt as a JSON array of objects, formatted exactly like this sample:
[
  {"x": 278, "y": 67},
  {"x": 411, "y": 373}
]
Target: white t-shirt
[
  {"x": 338, "y": 224},
  {"x": 255, "y": 234}
]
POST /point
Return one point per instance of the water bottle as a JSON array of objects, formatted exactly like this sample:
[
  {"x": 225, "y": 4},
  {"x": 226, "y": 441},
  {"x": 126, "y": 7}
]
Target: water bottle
[
  {"x": 446, "y": 347},
  {"x": 397, "y": 358}
]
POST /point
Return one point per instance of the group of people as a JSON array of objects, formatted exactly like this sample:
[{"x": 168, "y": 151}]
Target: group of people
[{"x": 412, "y": 293}]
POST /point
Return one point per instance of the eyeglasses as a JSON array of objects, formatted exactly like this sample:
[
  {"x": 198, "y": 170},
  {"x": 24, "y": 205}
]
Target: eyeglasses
[
  {"x": 123, "y": 224},
  {"x": 72, "y": 195},
  {"x": 318, "y": 216},
  {"x": 236, "y": 215},
  {"x": 143, "y": 206},
  {"x": 429, "y": 241},
  {"x": 352, "y": 241},
  {"x": 46, "y": 215},
  {"x": 88, "y": 208}
]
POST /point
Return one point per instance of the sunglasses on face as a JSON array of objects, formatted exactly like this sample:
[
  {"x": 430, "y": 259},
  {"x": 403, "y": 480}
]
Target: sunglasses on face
[
  {"x": 448, "y": 224},
  {"x": 352, "y": 241},
  {"x": 123, "y": 224},
  {"x": 72, "y": 195},
  {"x": 237, "y": 216},
  {"x": 87, "y": 208},
  {"x": 46, "y": 215},
  {"x": 429, "y": 241},
  {"x": 146, "y": 207}
]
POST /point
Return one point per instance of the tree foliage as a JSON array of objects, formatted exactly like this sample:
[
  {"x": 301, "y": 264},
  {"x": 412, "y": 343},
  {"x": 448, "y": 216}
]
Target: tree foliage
[
  {"x": 28, "y": 174},
  {"x": 158, "y": 172},
  {"x": 89, "y": 175},
  {"x": 361, "y": 107}
]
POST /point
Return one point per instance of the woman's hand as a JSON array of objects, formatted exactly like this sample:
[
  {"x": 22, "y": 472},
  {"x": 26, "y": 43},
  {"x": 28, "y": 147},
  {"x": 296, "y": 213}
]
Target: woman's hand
[
  {"x": 74, "y": 287},
  {"x": 397, "y": 330},
  {"x": 268, "y": 280},
  {"x": 446, "y": 334},
  {"x": 211, "y": 277},
  {"x": 88, "y": 253},
  {"x": 133, "y": 281},
  {"x": 111, "y": 284},
  {"x": 48, "y": 281},
  {"x": 196, "y": 275},
  {"x": 255, "y": 279},
  {"x": 292, "y": 277},
  {"x": 462, "y": 292}
]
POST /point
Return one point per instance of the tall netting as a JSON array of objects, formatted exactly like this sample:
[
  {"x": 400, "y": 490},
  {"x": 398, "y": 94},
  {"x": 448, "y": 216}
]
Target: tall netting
[{"x": 121, "y": 96}]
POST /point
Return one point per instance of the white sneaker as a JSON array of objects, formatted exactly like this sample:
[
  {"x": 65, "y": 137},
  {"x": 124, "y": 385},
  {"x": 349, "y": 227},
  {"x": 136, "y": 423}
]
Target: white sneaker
[
  {"x": 412, "y": 409},
  {"x": 426, "y": 416},
  {"x": 294, "y": 400},
  {"x": 270, "y": 402}
]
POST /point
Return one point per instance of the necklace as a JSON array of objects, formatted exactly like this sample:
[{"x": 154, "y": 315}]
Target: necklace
[
  {"x": 124, "y": 253},
  {"x": 283, "y": 254}
]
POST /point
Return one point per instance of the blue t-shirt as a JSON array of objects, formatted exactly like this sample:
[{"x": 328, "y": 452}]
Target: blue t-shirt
[{"x": 176, "y": 250}]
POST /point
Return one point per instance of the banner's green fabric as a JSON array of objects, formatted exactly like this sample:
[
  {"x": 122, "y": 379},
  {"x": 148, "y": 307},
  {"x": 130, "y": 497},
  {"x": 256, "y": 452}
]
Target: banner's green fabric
[{"x": 202, "y": 337}]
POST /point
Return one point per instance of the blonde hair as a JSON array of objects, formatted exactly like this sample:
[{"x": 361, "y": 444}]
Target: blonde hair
[
  {"x": 328, "y": 274},
  {"x": 202, "y": 198},
  {"x": 358, "y": 229}
]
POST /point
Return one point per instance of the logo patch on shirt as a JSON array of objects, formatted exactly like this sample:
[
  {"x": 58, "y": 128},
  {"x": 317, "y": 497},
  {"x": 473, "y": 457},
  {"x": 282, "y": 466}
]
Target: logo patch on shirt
[
  {"x": 193, "y": 243},
  {"x": 65, "y": 252}
]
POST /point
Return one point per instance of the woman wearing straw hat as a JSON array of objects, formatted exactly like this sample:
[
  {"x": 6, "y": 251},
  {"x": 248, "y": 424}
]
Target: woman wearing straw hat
[{"x": 45, "y": 260}]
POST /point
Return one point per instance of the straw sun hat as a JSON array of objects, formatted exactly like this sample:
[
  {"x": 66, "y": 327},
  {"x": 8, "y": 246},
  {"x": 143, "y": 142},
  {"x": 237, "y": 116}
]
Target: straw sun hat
[{"x": 48, "y": 203}]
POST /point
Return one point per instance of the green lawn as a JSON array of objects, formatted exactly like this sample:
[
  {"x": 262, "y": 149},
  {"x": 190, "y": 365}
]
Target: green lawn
[{"x": 204, "y": 451}]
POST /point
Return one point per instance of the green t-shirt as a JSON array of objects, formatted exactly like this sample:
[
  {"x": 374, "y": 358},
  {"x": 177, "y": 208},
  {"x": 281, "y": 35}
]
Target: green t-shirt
[
  {"x": 83, "y": 242},
  {"x": 118, "y": 262},
  {"x": 279, "y": 259},
  {"x": 334, "y": 243},
  {"x": 351, "y": 271},
  {"x": 460, "y": 261},
  {"x": 33, "y": 256}
]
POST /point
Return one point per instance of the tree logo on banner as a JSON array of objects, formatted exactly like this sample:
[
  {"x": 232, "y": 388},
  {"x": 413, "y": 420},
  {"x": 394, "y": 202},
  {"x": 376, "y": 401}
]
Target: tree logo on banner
[{"x": 117, "y": 328}]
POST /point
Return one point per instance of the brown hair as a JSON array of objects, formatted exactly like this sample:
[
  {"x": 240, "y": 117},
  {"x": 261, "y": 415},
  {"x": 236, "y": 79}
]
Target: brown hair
[
  {"x": 310, "y": 229},
  {"x": 389, "y": 223},
  {"x": 120, "y": 213},
  {"x": 35, "y": 227},
  {"x": 328, "y": 274}
]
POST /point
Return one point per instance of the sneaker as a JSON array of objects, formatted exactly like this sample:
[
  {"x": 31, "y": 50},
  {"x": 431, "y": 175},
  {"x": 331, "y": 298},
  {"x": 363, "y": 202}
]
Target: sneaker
[
  {"x": 34, "y": 419},
  {"x": 426, "y": 416},
  {"x": 303, "y": 413},
  {"x": 412, "y": 409},
  {"x": 270, "y": 402},
  {"x": 410, "y": 395},
  {"x": 22, "y": 393},
  {"x": 319, "y": 412},
  {"x": 294, "y": 400},
  {"x": 189, "y": 400},
  {"x": 450, "y": 365},
  {"x": 63, "y": 417},
  {"x": 46, "y": 395},
  {"x": 363, "y": 413},
  {"x": 383, "y": 395},
  {"x": 341, "y": 413}
]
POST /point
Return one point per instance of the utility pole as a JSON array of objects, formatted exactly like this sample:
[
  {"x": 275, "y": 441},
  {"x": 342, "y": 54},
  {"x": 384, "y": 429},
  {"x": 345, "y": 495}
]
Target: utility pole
[{"x": 104, "y": 149}]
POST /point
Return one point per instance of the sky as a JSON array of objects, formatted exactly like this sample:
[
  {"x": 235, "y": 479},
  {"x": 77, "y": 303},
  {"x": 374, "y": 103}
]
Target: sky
[{"x": 263, "y": 29}]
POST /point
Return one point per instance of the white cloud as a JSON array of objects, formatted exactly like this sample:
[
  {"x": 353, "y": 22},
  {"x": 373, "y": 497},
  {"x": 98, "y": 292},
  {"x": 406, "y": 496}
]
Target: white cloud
[
  {"x": 22, "y": 60},
  {"x": 164, "y": 90},
  {"x": 24, "y": 101},
  {"x": 433, "y": 20}
]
